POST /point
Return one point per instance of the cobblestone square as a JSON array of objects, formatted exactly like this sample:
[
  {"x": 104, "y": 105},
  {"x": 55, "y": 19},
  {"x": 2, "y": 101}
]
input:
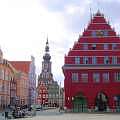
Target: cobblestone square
[{"x": 55, "y": 115}]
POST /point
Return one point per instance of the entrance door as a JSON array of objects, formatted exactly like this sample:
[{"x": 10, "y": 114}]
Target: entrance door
[
  {"x": 79, "y": 104},
  {"x": 101, "y": 102},
  {"x": 117, "y": 103}
]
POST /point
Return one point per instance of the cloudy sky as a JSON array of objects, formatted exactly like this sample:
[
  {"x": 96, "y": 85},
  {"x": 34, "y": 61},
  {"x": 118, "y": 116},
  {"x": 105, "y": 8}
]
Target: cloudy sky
[{"x": 25, "y": 24}]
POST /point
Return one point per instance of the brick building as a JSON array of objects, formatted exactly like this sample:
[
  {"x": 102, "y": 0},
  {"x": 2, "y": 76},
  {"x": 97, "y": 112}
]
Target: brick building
[
  {"x": 22, "y": 81},
  {"x": 7, "y": 83},
  {"x": 92, "y": 69}
]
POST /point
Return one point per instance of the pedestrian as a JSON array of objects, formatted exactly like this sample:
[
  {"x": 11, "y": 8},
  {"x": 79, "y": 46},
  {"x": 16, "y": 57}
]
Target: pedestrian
[{"x": 6, "y": 115}]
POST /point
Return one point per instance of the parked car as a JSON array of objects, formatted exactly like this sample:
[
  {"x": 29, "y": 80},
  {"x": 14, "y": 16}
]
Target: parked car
[{"x": 38, "y": 107}]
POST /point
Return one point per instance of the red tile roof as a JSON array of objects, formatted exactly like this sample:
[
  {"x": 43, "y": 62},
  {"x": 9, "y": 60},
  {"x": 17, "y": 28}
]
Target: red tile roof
[{"x": 23, "y": 66}]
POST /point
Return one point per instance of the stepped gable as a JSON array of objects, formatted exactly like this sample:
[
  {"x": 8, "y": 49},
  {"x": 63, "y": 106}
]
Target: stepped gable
[
  {"x": 97, "y": 31},
  {"x": 98, "y": 23}
]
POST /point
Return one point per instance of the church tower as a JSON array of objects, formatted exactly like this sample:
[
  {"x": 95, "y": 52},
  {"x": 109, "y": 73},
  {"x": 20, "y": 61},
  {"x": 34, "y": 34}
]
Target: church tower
[
  {"x": 48, "y": 89},
  {"x": 46, "y": 74}
]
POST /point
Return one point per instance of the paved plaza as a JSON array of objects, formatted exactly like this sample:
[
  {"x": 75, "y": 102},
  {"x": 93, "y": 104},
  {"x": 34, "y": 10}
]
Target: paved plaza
[
  {"x": 55, "y": 115},
  {"x": 77, "y": 117}
]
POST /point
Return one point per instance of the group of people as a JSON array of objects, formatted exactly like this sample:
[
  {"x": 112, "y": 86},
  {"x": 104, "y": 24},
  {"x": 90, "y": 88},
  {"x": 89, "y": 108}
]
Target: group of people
[{"x": 15, "y": 113}]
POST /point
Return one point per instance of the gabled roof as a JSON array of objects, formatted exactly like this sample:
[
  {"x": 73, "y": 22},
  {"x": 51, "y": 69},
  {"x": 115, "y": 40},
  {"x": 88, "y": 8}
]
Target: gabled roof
[{"x": 23, "y": 66}]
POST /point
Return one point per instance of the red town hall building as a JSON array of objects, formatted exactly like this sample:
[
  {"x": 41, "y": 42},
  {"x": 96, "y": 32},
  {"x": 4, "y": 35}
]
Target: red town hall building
[{"x": 92, "y": 69}]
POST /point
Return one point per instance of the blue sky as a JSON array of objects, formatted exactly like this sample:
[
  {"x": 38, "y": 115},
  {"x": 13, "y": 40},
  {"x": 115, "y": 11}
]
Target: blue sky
[{"x": 25, "y": 24}]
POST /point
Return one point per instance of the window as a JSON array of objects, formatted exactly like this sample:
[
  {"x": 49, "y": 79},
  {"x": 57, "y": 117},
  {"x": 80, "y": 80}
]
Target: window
[
  {"x": 114, "y": 60},
  {"x": 85, "y": 46},
  {"x": 94, "y": 46},
  {"x": 93, "y": 33},
  {"x": 49, "y": 95},
  {"x": 96, "y": 77},
  {"x": 117, "y": 76},
  {"x": 85, "y": 60},
  {"x": 75, "y": 77},
  {"x": 94, "y": 60},
  {"x": 2, "y": 74},
  {"x": 106, "y": 47},
  {"x": 106, "y": 60},
  {"x": 44, "y": 96},
  {"x": 105, "y": 77},
  {"x": 84, "y": 77},
  {"x": 114, "y": 46},
  {"x": 105, "y": 33},
  {"x": 77, "y": 60}
]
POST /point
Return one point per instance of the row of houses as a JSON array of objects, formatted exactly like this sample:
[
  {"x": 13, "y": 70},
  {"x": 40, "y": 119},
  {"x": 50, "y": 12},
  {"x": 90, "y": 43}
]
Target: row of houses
[{"x": 17, "y": 82}]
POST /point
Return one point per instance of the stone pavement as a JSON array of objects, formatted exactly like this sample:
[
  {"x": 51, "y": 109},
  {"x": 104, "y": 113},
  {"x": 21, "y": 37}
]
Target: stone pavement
[
  {"x": 55, "y": 115},
  {"x": 81, "y": 116}
]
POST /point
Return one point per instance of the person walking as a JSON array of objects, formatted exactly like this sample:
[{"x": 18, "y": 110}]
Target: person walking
[{"x": 6, "y": 114}]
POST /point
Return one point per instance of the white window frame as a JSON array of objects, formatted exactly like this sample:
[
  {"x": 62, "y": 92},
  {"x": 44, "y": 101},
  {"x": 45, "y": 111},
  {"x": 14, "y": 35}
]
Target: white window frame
[
  {"x": 106, "y": 46},
  {"x": 106, "y": 77},
  {"x": 85, "y": 46},
  {"x": 77, "y": 60},
  {"x": 85, "y": 60},
  {"x": 96, "y": 77},
  {"x": 74, "y": 77},
  {"x": 117, "y": 76},
  {"x": 114, "y": 46},
  {"x": 106, "y": 60},
  {"x": 94, "y": 60},
  {"x": 114, "y": 59},
  {"x": 84, "y": 77}
]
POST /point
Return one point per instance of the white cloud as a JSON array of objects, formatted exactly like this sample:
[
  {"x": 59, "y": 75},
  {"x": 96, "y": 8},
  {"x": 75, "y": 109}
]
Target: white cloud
[
  {"x": 24, "y": 28},
  {"x": 24, "y": 25}
]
